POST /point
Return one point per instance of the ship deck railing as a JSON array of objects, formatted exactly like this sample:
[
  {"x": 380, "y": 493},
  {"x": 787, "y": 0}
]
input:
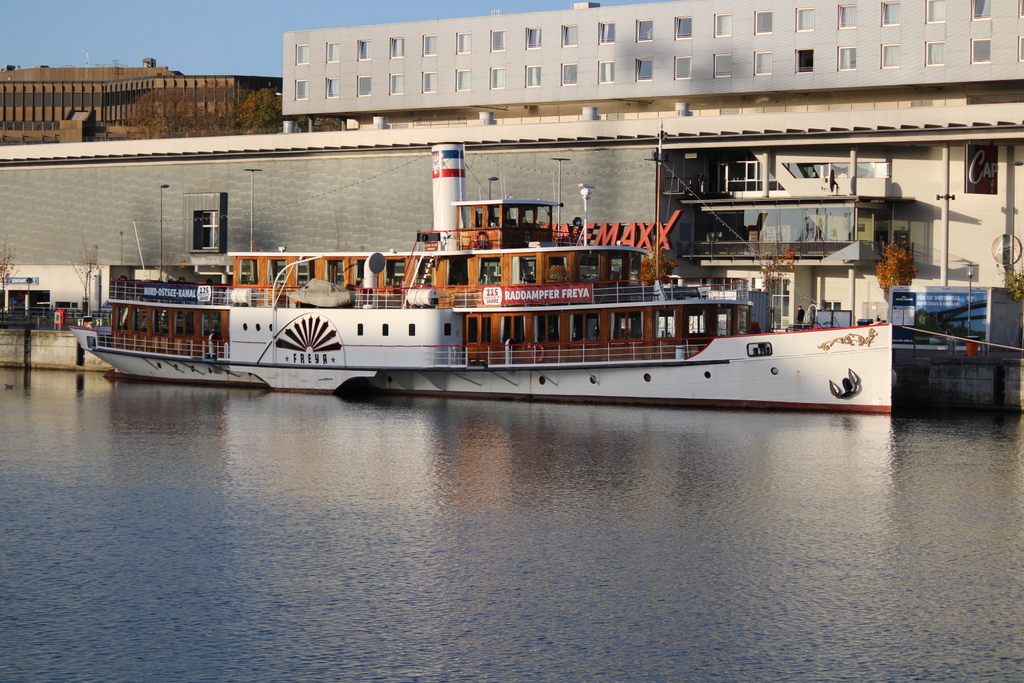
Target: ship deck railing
[
  {"x": 194, "y": 348},
  {"x": 512, "y": 354},
  {"x": 618, "y": 292}
]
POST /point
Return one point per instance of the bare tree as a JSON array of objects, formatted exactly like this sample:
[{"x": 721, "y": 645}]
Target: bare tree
[
  {"x": 84, "y": 264},
  {"x": 8, "y": 267},
  {"x": 774, "y": 263}
]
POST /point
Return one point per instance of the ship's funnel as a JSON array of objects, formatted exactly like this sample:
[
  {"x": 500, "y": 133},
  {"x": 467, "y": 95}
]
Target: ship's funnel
[{"x": 449, "y": 170}]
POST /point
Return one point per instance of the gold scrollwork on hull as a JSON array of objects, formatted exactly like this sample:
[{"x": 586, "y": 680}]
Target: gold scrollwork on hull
[{"x": 851, "y": 339}]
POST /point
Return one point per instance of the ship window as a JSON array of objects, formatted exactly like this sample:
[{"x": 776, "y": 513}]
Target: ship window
[
  {"x": 447, "y": 329},
  {"x": 336, "y": 272},
  {"x": 760, "y": 349},
  {"x": 358, "y": 267},
  {"x": 122, "y": 318},
  {"x": 616, "y": 268},
  {"x": 592, "y": 327},
  {"x": 545, "y": 328},
  {"x": 513, "y": 328},
  {"x": 524, "y": 270},
  {"x": 492, "y": 216},
  {"x": 490, "y": 271},
  {"x": 458, "y": 272},
  {"x": 589, "y": 267},
  {"x": 141, "y": 320},
  {"x": 634, "y": 266},
  {"x": 359, "y": 330},
  {"x": 179, "y": 323},
  {"x": 725, "y": 322},
  {"x": 395, "y": 273},
  {"x": 302, "y": 273},
  {"x": 412, "y": 329},
  {"x": 211, "y": 324},
  {"x": 627, "y": 325},
  {"x": 385, "y": 330},
  {"x": 276, "y": 266},
  {"x": 665, "y": 327},
  {"x": 556, "y": 269},
  {"x": 471, "y": 330},
  {"x": 247, "y": 273},
  {"x": 695, "y": 322}
]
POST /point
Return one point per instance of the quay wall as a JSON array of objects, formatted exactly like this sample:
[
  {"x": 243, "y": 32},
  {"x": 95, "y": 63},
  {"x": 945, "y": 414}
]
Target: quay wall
[
  {"x": 976, "y": 383},
  {"x": 45, "y": 349}
]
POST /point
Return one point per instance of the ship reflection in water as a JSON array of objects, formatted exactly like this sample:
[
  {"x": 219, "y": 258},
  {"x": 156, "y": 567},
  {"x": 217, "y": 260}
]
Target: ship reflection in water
[{"x": 163, "y": 533}]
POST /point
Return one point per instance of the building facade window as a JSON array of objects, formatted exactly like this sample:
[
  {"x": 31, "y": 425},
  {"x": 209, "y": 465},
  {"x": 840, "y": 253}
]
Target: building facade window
[
  {"x": 397, "y": 48},
  {"x": 683, "y": 68},
  {"x": 333, "y": 52},
  {"x": 429, "y": 46},
  {"x": 891, "y": 56},
  {"x": 847, "y": 58},
  {"x": 891, "y": 12},
  {"x": 498, "y": 78},
  {"x": 463, "y": 80},
  {"x": 397, "y": 84},
  {"x": 934, "y": 54},
  {"x": 805, "y": 19},
  {"x": 762, "y": 63},
  {"x": 302, "y": 54},
  {"x": 569, "y": 74},
  {"x": 429, "y": 81},
  {"x": 847, "y": 16},
  {"x": 533, "y": 77},
  {"x": 982, "y": 9},
  {"x": 1020, "y": 49},
  {"x": 763, "y": 23},
  {"x": 606, "y": 33},
  {"x": 723, "y": 65},
  {"x": 804, "y": 61},
  {"x": 364, "y": 85},
  {"x": 684, "y": 28},
  {"x": 935, "y": 11},
  {"x": 723, "y": 25},
  {"x": 606, "y": 72},
  {"x": 463, "y": 43},
  {"x": 497, "y": 41},
  {"x": 364, "y": 50},
  {"x": 533, "y": 39},
  {"x": 644, "y": 30},
  {"x": 333, "y": 87},
  {"x": 570, "y": 36},
  {"x": 302, "y": 90},
  {"x": 644, "y": 70},
  {"x": 981, "y": 51}
]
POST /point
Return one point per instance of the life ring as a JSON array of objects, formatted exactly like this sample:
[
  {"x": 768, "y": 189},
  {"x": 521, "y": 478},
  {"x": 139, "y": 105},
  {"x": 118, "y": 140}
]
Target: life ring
[{"x": 538, "y": 353}]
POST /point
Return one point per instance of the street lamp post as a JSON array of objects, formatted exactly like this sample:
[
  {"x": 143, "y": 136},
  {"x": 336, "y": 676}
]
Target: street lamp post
[
  {"x": 559, "y": 197},
  {"x": 585, "y": 192},
  {"x": 252, "y": 194},
  {"x": 490, "y": 182},
  {"x": 162, "y": 188},
  {"x": 970, "y": 280}
]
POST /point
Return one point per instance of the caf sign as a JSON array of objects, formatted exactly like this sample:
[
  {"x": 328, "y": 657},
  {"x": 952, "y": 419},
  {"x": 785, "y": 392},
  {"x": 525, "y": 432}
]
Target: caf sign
[{"x": 981, "y": 169}]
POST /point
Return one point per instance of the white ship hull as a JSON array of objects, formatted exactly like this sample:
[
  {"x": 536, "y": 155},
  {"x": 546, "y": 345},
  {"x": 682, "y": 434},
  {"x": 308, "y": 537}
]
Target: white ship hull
[{"x": 827, "y": 369}]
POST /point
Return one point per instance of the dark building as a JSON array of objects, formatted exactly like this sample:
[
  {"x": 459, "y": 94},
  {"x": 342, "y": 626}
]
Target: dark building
[{"x": 70, "y": 104}]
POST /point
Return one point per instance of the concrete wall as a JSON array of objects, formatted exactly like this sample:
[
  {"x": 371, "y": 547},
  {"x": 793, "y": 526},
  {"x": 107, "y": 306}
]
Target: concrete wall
[
  {"x": 54, "y": 350},
  {"x": 972, "y": 383}
]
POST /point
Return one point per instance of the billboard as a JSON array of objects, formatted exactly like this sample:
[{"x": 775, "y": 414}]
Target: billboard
[{"x": 954, "y": 311}]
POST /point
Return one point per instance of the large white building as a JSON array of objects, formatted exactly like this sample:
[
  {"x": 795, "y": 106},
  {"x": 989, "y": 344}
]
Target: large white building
[{"x": 711, "y": 54}]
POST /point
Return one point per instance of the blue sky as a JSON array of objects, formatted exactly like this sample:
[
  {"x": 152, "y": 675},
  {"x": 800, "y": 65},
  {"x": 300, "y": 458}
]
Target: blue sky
[{"x": 215, "y": 37}]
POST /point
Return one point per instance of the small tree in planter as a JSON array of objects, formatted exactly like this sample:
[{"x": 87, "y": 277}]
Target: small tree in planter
[{"x": 773, "y": 264}]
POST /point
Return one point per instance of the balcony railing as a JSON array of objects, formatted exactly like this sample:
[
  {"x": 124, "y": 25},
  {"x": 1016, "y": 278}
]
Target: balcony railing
[{"x": 750, "y": 250}]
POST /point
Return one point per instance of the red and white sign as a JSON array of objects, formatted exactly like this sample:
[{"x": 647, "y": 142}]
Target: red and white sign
[
  {"x": 981, "y": 169},
  {"x": 527, "y": 295}
]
